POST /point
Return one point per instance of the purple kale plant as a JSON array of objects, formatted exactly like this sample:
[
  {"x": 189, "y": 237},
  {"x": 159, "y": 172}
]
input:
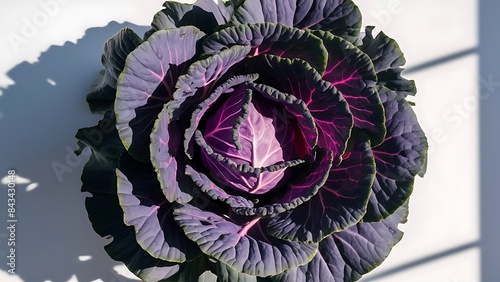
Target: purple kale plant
[{"x": 259, "y": 140}]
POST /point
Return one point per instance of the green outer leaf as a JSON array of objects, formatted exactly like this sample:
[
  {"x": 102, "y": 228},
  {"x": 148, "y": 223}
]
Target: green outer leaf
[
  {"x": 383, "y": 50},
  {"x": 388, "y": 60},
  {"x": 154, "y": 274},
  {"x": 100, "y": 96},
  {"x": 349, "y": 254},
  {"x": 205, "y": 15},
  {"x": 269, "y": 38},
  {"x": 170, "y": 16},
  {"x": 193, "y": 271},
  {"x": 99, "y": 178},
  {"x": 227, "y": 274},
  {"x": 145, "y": 69},
  {"x": 116, "y": 50},
  {"x": 393, "y": 80},
  {"x": 104, "y": 212},
  {"x": 245, "y": 247}
]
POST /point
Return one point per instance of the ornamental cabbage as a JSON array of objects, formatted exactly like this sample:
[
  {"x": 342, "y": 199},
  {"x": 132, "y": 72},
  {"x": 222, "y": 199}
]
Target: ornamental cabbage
[{"x": 259, "y": 140}]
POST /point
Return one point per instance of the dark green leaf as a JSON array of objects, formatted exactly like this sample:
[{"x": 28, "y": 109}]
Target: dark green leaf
[{"x": 388, "y": 60}]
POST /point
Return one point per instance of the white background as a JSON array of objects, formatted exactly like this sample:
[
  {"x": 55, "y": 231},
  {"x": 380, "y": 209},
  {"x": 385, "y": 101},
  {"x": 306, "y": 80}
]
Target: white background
[{"x": 444, "y": 209}]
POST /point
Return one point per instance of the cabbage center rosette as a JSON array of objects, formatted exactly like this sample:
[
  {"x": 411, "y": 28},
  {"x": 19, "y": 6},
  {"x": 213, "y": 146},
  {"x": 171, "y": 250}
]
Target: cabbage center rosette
[
  {"x": 256, "y": 140},
  {"x": 246, "y": 144}
]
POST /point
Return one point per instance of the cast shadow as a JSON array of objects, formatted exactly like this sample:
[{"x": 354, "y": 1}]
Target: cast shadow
[{"x": 39, "y": 117}]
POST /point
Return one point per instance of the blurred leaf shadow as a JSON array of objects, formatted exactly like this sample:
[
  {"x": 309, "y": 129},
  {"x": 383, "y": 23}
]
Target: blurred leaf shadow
[{"x": 39, "y": 116}]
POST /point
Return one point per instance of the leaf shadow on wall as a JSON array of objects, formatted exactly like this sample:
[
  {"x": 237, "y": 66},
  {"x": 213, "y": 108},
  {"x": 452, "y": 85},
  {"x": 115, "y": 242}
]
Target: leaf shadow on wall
[{"x": 39, "y": 116}]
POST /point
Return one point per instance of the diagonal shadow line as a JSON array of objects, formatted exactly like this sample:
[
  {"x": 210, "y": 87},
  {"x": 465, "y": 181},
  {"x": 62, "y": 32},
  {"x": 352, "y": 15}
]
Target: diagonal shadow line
[
  {"x": 425, "y": 260},
  {"x": 441, "y": 60}
]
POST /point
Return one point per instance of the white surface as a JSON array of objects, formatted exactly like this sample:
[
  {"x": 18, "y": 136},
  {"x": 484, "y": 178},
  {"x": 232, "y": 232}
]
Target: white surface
[{"x": 444, "y": 206}]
